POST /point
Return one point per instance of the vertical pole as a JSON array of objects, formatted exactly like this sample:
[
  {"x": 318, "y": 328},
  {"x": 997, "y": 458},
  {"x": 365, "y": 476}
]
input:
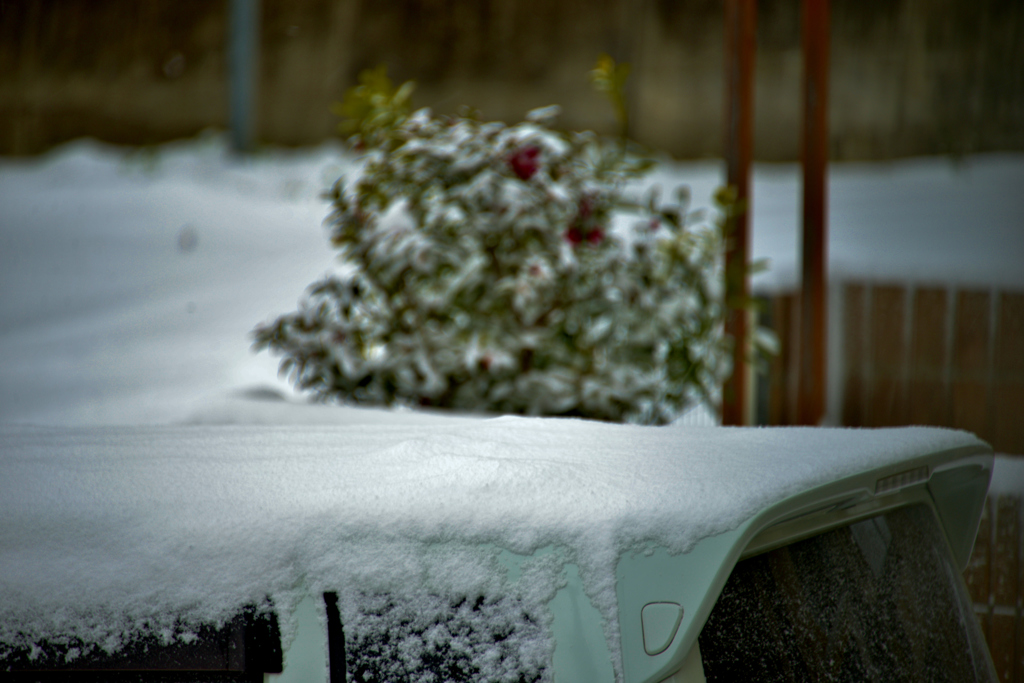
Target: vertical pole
[
  {"x": 335, "y": 640},
  {"x": 243, "y": 65},
  {"x": 814, "y": 159},
  {"x": 740, "y": 44}
]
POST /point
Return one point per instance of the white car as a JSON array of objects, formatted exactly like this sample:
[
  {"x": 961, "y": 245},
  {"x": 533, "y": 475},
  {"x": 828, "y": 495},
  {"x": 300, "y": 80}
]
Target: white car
[{"x": 405, "y": 547}]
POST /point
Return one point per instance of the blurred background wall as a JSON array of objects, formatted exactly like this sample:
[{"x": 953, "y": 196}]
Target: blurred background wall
[{"x": 908, "y": 76}]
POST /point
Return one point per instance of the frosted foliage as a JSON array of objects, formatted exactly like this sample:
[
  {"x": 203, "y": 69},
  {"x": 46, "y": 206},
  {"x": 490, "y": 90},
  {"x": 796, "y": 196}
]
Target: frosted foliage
[{"x": 507, "y": 269}]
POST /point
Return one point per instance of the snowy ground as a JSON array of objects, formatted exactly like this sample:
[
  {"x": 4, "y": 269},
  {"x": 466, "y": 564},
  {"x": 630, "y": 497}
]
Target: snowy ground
[{"x": 129, "y": 282}]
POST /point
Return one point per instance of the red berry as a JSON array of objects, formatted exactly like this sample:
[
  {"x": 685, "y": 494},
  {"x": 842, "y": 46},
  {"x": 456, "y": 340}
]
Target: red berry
[
  {"x": 595, "y": 236},
  {"x": 524, "y": 162},
  {"x": 574, "y": 235}
]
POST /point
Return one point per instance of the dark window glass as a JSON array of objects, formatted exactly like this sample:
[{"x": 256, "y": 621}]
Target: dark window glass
[
  {"x": 431, "y": 639},
  {"x": 240, "y": 651},
  {"x": 880, "y": 600}
]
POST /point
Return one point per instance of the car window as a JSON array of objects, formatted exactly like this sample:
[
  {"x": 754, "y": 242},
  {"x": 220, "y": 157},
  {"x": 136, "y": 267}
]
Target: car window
[
  {"x": 877, "y": 600},
  {"x": 438, "y": 640},
  {"x": 239, "y": 651}
]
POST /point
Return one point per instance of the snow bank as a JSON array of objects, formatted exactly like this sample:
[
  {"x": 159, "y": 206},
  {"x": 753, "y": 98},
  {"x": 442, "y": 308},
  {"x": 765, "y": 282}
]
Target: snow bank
[
  {"x": 107, "y": 530},
  {"x": 1007, "y": 476},
  {"x": 929, "y": 220},
  {"x": 131, "y": 280}
]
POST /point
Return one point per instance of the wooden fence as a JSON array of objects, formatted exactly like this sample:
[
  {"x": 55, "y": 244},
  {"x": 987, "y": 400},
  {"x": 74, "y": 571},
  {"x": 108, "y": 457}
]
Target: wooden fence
[
  {"x": 916, "y": 355},
  {"x": 994, "y": 577},
  {"x": 936, "y": 356}
]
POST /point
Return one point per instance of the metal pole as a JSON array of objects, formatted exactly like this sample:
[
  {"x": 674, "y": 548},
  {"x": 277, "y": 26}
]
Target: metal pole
[
  {"x": 814, "y": 159},
  {"x": 740, "y": 46},
  {"x": 243, "y": 65}
]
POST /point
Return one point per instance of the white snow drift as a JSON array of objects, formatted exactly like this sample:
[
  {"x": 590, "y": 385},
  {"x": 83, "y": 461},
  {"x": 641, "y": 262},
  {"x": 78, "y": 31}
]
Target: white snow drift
[{"x": 108, "y": 530}]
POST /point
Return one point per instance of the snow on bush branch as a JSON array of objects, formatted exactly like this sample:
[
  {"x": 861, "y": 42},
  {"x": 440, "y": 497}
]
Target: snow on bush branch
[{"x": 508, "y": 269}]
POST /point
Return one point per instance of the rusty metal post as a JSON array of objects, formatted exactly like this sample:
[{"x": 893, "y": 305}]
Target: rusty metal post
[
  {"x": 740, "y": 45},
  {"x": 814, "y": 159}
]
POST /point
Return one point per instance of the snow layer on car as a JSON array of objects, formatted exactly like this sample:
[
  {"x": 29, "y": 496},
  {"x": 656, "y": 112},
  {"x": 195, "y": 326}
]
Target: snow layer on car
[{"x": 106, "y": 530}]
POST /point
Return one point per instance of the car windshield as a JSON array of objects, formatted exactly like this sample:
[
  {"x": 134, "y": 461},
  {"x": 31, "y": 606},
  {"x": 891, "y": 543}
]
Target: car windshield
[{"x": 877, "y": 600}]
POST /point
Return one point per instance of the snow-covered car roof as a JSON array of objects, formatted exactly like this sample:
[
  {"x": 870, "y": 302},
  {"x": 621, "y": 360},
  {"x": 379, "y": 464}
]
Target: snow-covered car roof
[{"x": 109, "y": 530}]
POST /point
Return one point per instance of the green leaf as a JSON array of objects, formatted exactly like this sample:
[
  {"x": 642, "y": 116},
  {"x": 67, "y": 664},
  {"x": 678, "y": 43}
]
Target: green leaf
[
  {"x": 609, "y": 78},
  {"x": 372, "y": 110}
]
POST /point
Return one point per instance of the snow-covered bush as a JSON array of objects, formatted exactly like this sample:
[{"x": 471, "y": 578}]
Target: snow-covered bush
[{"x": 486, "y": 267}]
